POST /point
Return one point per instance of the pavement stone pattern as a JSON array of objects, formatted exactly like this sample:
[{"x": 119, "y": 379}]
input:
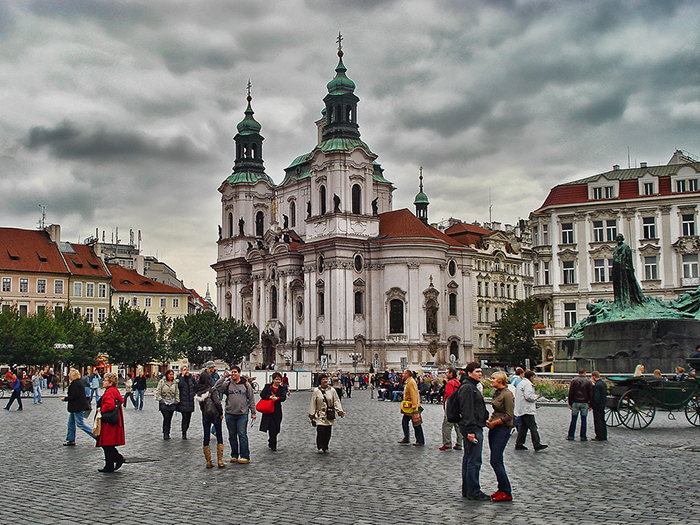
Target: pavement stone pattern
[{"x": 647, "y": 476}]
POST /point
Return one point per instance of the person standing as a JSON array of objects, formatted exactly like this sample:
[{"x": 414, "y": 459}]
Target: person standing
[
  {"x": 473, "y": 411},
  {"x": 517, "y": 377},
  {"x": 36, "y": 385},
  {"x": 411, "y": 395},
  {"x": 78, "y": 403},
  {"x": 111, "y": 435},
  {"x": 240, "y": 401},
  {"x": 185, "y": 405},
  {"x": 325, "y": 404},
  {"x": 168, "y": 396},
  {"x": 94, "y": 385},
  {"x": 500, "y": 424},
  {"x": 600, "y": 397},
  {"x": 271, "y": 422},
  {"x": 451, "y": 387},
  {"x": 128, "y": 391},
  {"x": 212, "y": 415},
  {"x": 525, "y": 408},
  {"x": 348, "y": 385},
  {"x": 16, "y": 392},
  {"x": 140, "y": 388},
  {"x": 580, "y": 399},
  {"x": 285, "y": 384}
]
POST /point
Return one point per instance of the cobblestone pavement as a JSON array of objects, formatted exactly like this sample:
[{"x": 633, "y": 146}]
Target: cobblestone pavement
[{"x": 647, "y": 476}]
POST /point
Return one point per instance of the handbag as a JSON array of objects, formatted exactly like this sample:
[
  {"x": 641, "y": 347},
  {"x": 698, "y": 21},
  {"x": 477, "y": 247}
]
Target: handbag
[
  {"x": 97, "y": 424},
  {"x": 111, "y": 417},
  {"x": 407, "y": 407},
  {"x": 417, "y": 419},
  {"x": 265, "y": 406},
  {"x": 330, "y": 412}
]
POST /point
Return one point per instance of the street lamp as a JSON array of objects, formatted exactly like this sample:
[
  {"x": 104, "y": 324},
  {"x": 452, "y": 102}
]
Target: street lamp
[
  {"x": 355, "y": 356},
  {"x": 63, "y": 346},
  {"x": 205, "y": 350}
]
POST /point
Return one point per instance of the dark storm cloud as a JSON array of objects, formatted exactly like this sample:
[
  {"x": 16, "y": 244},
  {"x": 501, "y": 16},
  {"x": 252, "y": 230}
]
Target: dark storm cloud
[
  {"x": 66, "y": 141},
  {"x": 110, "y": 14},
  {"x": 450, "y": 120},
  {"x": 181, "y": 58},
  {"x": 602, "y": 110}
]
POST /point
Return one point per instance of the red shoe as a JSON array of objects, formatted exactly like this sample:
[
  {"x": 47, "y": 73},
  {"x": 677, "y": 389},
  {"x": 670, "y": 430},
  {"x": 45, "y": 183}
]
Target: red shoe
[
  {"x": 444, "y": 448},
  {"x": 501, "y": 496},
  {"x": 496, "y": 494}
]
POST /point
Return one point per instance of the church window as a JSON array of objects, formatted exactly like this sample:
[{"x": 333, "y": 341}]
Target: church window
[
  {"x": 322, "y": 198},
  {"x": 321, "y": 264},
  {"x": 454, "y": 349},
  {"x": 431, "y": 317},
  {"x": 358, "y": 262},
  {"x": 300, "y": 352},
  {"x": 321, "y": 304},
  {"x": 339, "y": 112},
  {"x": 396, "y": 316},
  {"x": 230, "y": 224},
  {"x": 259, "y": 223},
  {"x": 300, "y": 309},
  {"x": 348, "y": 114},
  {"x": 356, "y": 199},
  {"x": 321, "y": 350},
  {"x": 453, "y": 304},
  {"x": 452, "y": 268},
  {"x": 359, "y": 300},
  {"x": 273, "y": 302},
  {"x": 254, "y": 151},
  {"x": 293, "y": 213}
]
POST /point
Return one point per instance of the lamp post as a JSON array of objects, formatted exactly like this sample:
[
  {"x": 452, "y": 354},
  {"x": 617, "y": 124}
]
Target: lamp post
[
  {"x": 355, "y": 356},
  {"x": 205, "y": 350},
  {"x": 63, "y": 346}
]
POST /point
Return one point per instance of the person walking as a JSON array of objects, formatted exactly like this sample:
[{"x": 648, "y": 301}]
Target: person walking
[
  {"x": 240, "y": 401},
  {"x": 129, "y": 392},
  {"x": 451, "y": 387},
  {"x": 473, "y": 411},
  {"x": 599, "y": 400},
  {"x": 212, "y": 415},
  {"x": 139, "y": 386},
  {"x": 580, "y": 402},
  {"x": 185, "y": 405},
  {"x": 271, "y": 422},
  {"x": 325, "y": 404},
  {"x": 94, "y": 385},
  {"x": 411, "y": 410},
  {"x": 167, "y": 396},
  {"x": 348, "y": 385},
  {"x": 36, "y": 386},
  {"x": 525, "y": 408},
  {"x": 78, "y": 404},
  {"x": 500, "y": 425},
  {"x": 16, "y": 385},
  {"x": 111, "y": 434}
]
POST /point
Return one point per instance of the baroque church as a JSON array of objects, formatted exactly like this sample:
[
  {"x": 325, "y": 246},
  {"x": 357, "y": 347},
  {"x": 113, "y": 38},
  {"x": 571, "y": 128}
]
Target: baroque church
[{"x": 331, "y": 275}]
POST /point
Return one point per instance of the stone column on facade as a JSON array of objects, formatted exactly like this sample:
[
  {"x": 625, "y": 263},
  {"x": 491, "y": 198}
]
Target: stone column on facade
[
  {"x": 667, "y": 256},
  {"x": 581, "y": 239}
]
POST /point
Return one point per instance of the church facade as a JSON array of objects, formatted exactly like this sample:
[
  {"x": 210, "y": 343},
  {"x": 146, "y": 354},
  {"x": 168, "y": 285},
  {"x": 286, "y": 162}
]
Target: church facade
[{"x": 331, "y": 275}]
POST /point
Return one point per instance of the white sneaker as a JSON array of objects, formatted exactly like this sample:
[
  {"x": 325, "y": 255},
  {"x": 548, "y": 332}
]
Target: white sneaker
[{"x": 320, "y": 451}]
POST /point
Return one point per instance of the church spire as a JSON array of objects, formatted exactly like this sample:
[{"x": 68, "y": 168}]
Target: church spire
[
  {"x": 341, "y": 103},
  {"x": 248, "y": 166},
  {"x": 421, "y": 201}
]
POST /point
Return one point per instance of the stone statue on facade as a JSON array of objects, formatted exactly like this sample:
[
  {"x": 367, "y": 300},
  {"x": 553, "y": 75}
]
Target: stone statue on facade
[{"x": 626, "y": 289}]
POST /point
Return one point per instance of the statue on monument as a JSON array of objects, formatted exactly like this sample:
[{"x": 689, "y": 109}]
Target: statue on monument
[{"x": 626, "y": 289}]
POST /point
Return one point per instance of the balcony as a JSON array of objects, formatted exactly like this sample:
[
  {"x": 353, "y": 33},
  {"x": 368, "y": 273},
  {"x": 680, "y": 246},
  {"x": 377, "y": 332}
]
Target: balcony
[{"x": 690, "y": 281}]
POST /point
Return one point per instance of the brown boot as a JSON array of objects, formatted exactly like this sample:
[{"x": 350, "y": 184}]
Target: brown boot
[
  {"x": 220, "y": 455},
  {"x": 207, "y": 455}
]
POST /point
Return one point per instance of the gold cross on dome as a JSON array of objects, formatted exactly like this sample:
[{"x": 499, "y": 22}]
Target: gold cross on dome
[
  {"x": 340, "y": 43},
  {"x": 248, "y": 86}
]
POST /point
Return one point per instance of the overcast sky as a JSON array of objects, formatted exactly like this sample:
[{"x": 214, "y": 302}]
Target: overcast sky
[{"x": 121, "y": 114}]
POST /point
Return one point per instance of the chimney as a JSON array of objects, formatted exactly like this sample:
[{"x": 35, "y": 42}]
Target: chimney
[
  {"x": 54, "y": 232},
  {"x": 616, "y": 167},
  {"x": 642, "y": 164}
]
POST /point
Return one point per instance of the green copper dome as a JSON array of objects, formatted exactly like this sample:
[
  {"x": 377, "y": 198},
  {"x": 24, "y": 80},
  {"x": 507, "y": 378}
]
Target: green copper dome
[
  {"x": 421, "y": 198},
  {"x": 249, "y": 125},
  {"x": 341, "y": 84}
]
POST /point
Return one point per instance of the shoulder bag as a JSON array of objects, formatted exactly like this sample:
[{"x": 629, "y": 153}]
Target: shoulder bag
[
  {"x": 111, "y": 417},
  {"x": 330, "y": 411},
  {"x": 265, "y": 406},
  {"x": 97, "y": 424}
]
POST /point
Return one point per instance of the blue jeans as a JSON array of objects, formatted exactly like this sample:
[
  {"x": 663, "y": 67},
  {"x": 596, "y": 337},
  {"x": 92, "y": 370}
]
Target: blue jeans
[
  {"x": 405, "y": 422},
  {"x": 238, "y": 435},
  {"x": 576, "y": 409},
  {"x": 75, "y": 419},
  {"x": 498, "y": 439},
  {"x": 37, "y": 394},
  {"x": 471, "y": 463},
  {"x": 212, "y": 426},
  {"x": 94, "y": 392},
  {"x": 139, "y": 399}
]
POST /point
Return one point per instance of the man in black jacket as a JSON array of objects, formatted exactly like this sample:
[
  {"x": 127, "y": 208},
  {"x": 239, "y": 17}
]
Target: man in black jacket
[
  {"x": 600, "y": 396},
  {"x": 580, "y": 398},
  {"x": 139, "y": 387},
  {"x": 473, "y": 420}
]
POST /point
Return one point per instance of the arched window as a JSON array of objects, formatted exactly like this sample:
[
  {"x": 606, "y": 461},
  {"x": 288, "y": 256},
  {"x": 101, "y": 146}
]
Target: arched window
[
  {"x": 293, "y": 213},
  {"x": 300, "y": 352},
  {"x": 230, "y": 225},
  {"x": 259, "y": 220},
  {"x": 431, "y": 317},
  {"x": 356, "y": 199},
  {"x": 254, "y": 151},
  {"x": 339, "y": 113},
  {"x": 321, "y": 303},
  {"x": 453, "y": 304},
  {"x": 396, "y": 316},
  {"x": 348, "y": 113},
  {"x": 322, "y": 197},
  {"x": 321, "y": 350},
  {"x": 454, "y": 349},
  {"x": 273, "y": 302},
  {"x": 358, "y": 303}
]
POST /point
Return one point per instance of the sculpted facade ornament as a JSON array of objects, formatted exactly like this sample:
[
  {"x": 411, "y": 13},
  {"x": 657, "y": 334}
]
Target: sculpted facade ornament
[{"x": 687, "y": 245}]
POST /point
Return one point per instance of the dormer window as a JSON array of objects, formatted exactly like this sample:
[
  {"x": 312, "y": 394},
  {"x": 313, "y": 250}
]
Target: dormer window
[
  {"x": 603, "y": 189},
  {"x": 685, "y": 180}
]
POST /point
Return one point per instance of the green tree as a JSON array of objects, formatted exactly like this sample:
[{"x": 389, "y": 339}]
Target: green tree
[
  {"x": 514, "y": 335},
  {"x": 37, "y": 335},
  {"x": 9, "y": 338},
  {"x": 192, "y": 332},
  {"x": 164, "y": 349},
  {"x": 74, "y": 329},
  {"x": 239, "y": 341},
  {"x": 128, "y": 337}
]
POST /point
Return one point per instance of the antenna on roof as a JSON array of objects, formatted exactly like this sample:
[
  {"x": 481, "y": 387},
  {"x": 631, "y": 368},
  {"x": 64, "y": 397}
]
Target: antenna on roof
[
  {"x": 42, "y": 218},
  {"x": 629, "y": 164},
  {"x": 490, "y": 206}
]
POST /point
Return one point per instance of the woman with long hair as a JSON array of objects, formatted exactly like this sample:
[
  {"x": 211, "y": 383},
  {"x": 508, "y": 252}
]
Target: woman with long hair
[
  {"x": 212, "y": 415},
  {"x": 500, "y": 425},
  {"x": 168, "y": 396}
]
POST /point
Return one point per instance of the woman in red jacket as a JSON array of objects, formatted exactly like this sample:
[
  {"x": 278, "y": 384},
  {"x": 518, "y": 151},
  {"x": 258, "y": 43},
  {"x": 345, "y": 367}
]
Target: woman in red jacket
[{"x": 112, "y": 435}]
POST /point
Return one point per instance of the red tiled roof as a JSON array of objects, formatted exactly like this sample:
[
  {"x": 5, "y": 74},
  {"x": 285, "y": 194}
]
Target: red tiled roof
[
  {"x": 402, "y": 224},
  {"x": 130, "y": 281},
  {"x": 29, "y": 251},
  {"x": 84, "y": 261}
]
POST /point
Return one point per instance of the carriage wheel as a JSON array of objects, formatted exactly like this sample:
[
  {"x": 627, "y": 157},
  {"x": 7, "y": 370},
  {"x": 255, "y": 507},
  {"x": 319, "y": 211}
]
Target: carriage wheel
[
  {"x": 612, "y": 417},
  {"x": 692, "y": 411},
  {"x": 635, "y": 410}
]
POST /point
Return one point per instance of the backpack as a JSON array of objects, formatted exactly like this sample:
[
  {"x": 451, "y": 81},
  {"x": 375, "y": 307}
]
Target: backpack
[{"x": 452, "y": 408}]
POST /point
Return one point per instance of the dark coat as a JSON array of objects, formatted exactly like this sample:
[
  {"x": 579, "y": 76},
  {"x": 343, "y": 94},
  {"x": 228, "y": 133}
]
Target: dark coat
[
  {"x": 471, "y": 406},
  {"x": 272, "y": 422},
  {"x": 139, "y": 383},
  {"x": 77, "y": 400},
  {"x": 186, "y": 384},
  {"x": 111, "y": 435},
  {"x": 600, "y": 394}
]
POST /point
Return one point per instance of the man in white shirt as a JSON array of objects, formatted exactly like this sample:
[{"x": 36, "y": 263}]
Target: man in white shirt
[{"x": 525, "y": 407}]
